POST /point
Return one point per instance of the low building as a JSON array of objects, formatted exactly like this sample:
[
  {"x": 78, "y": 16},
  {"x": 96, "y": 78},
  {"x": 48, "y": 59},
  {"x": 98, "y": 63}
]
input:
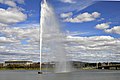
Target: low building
[
  {"x": 43, "y": 65},
  {"x": 18, "y": 63},
  {"x": 78, "y": 64},
  {"x": 1, "y": 65},
  {"x": 109, "y": 65}
]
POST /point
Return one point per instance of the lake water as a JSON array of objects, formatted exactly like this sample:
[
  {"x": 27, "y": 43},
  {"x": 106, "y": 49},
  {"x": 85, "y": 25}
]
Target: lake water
[{"x": 79, "y": 75}]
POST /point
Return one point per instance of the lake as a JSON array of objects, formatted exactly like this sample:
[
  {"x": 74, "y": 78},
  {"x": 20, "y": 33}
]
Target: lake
[{"x": 78, "y": 75}]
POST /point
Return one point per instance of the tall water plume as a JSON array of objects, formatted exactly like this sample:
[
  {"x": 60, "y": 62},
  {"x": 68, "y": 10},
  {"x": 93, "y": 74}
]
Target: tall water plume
[{"x": 52, "y": 38}]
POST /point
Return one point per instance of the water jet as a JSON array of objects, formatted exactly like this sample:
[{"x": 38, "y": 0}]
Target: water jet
[{"x": 51, "y": 35}]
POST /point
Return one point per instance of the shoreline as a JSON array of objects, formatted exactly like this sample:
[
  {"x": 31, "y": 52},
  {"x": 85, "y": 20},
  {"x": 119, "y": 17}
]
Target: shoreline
[
  {"x": 50, "y": 69},
  {"x": 25, "y": 69}
]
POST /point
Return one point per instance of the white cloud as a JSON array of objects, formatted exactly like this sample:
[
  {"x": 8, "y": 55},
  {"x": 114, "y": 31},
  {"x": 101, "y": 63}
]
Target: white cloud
[
  {"x": 23, "y": 33},
  {"x": 13, "y": 39},
  {"x": 68, "y": 1},
  {"x": 66, "y": 15},
  {"x": 107, "y": 29},
  {"x": 12, "y": 42},
  {"x": 10, "y": 3},
  {"x": 68, "y": 33},
  {"x": 115, "y": 29},
  {"x": 20, "y": 1},
  {"x": 94, "y": 48},
  {"x": 11, "y": 16},
  {"x": 92, "y": 38},
  {"x": 2, "y": 25},
  {"x": 7, "y": 40},
  {"x": 84, "y": 17},
  {"x": 102, "y": 26}
]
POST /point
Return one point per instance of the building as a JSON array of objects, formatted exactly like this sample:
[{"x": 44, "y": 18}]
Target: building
[
  {"x": 1, "y": 65},
  {"x": 109, "y": 65},
  {"x": 43, "y": 65},
  {"x": 78, "y": 64},
  {"x": 26, "y": 63}
]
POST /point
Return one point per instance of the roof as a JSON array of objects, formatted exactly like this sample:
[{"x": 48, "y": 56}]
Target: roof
[{"x": 17, "y": 61}]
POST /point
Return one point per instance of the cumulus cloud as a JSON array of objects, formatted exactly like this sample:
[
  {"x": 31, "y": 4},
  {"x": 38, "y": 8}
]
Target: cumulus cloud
[
  {"x": 89, "y": 49},
  {"x": 7, "y": 40},
  {"x": 22, "y": 41},
  {"x": 66, "y": 15},
  {"x": 22, "y": 33},
  {"x": 68, "y": 33},
  {"x": 102, "y": 26},
  {"x": 10, "y": 3},
  {"x": 68, "y": 1},
  {"x": 115, "y": 29},
  {"x": 106, "y": 28},
  {"x": 11, "y": 15},
  {"x": 84, "y": 17},
  {"x": 2, "y": 25},
  {"x": 94, "y": 48}
]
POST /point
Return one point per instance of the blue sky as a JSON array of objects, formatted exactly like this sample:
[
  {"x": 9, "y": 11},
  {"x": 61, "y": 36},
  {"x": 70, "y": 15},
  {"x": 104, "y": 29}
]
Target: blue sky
[
  {"x": 97, "y": 22},
  {"x": 108, "y": 10},
  {"x": 103, "y": 7}
]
